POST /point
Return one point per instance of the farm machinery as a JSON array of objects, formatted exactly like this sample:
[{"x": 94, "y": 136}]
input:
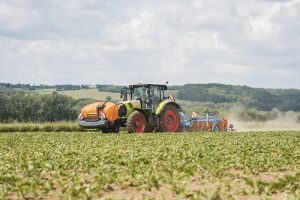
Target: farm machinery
[
  {"x": 208, "y": 123},
  {"x": 145, "y": 108}
]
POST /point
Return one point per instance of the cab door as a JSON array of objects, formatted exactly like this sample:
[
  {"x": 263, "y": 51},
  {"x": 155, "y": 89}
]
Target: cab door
[{"x": 157, "y": 97}]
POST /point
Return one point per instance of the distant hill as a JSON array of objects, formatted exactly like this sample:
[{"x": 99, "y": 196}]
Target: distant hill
[{"x": 258, "y": 98}]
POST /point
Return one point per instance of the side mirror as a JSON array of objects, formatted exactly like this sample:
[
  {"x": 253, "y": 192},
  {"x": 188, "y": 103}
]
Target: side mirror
[{"x": 122, "y": 94}]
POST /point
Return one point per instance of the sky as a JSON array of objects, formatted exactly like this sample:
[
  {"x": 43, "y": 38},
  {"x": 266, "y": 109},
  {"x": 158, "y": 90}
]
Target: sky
[{"x": 237, "y": 42}]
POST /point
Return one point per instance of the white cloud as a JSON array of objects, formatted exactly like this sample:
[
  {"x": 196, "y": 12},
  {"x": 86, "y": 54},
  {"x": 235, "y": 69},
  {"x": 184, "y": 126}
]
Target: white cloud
[
  {"x": 255, "y": 43},
  {"x": 16, "y": 18}
]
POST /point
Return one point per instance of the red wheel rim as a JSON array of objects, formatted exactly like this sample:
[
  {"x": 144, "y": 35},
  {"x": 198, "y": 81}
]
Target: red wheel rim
[
  {"x": 138, "y": 124},
  {"x": 171, "y": 120}
]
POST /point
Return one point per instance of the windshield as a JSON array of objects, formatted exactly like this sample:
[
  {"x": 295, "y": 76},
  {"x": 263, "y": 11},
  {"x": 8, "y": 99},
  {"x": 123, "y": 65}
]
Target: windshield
[
  {"x": 138, "y": 93},
  {"x": 158, "y": 93},
  {"x": 150, "y": 97}
]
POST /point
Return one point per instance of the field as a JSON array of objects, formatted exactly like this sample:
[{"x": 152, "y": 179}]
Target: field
[
  {"x": 84, "y": 93},
  {"x": 92, "y": 93},
  {"x": 44, "y": 127},
  {"x": 72, "y": 165}
]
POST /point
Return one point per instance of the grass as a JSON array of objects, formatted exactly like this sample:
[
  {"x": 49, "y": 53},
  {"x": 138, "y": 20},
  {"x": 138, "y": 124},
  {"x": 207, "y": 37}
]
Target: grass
[{"x": 71, "y": 165}]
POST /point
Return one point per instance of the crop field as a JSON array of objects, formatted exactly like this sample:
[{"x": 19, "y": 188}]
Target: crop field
[
  {"x": 77, "y": 165},
  {"x": 44, "y": 127}
]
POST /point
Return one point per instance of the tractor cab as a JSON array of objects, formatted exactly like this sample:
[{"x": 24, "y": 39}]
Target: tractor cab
[{"x": 149, "y": 95}]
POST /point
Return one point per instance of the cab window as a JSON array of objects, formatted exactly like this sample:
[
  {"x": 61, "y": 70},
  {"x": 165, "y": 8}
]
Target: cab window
[
  {"x": 138, "y": 93},
  {"x": 157, "y": 97}
]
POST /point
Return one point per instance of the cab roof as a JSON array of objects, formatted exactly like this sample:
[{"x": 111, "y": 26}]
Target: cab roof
[{"x": 147, "y": 85}]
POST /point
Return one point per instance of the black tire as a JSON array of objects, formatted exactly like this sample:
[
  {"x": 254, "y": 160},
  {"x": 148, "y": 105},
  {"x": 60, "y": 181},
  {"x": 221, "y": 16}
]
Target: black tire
[
  {"x": 136, "y": 122},
  {"x": 111, "y": 130},
  {"x": 115, "y": 129},
  {"x": 170, "y": 119},
  {"x": 105, "y": 130}
]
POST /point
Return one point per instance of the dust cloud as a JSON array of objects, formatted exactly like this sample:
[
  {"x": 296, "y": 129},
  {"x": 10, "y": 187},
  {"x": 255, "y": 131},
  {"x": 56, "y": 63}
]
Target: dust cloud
[{"x": 288, "y": 121}]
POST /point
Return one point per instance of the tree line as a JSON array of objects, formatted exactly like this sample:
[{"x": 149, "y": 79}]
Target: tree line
[
  {"x": 258, "y": 98},
  {"x": 43, "y": 86},
  {"x": 62, "y": 87},
  {"x": 29, "y": 107}
]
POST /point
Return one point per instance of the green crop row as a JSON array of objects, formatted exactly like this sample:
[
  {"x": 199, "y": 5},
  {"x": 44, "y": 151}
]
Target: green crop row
[
  {"x": 69, "y": 165},
  {"x": 45, "y": 127}
]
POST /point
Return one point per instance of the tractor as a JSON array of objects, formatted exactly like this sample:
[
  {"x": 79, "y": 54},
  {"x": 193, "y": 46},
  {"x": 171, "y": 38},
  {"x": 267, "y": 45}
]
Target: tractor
[{"x": 144, "y": 108}]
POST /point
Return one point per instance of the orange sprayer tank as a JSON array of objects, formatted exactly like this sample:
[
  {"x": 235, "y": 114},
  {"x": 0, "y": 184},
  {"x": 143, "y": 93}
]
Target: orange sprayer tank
[{"x": 109, "y": 109}]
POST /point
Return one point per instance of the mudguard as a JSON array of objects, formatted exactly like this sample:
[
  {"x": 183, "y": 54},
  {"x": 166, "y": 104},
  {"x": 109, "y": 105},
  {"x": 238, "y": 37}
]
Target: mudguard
[
  {"x": 131, "y": 106},
  {"x": 165, "y": 103}
]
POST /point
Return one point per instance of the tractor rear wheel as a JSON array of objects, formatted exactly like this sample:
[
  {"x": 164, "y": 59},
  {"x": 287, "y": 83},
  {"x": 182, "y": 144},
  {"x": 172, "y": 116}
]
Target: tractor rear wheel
[
  {"x": 170, "y": 120},
  {"x": 136, "y": 122}
]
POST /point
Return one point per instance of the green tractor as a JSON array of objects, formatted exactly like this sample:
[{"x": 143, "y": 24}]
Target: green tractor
[{"x": 144, "y": 108}]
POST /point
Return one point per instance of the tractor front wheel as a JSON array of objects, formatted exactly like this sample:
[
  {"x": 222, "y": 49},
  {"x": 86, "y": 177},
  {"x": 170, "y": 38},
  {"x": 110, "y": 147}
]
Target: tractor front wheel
[
  {"x": 136, "y": 122},
  {"x": 170, "y": 120}
]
